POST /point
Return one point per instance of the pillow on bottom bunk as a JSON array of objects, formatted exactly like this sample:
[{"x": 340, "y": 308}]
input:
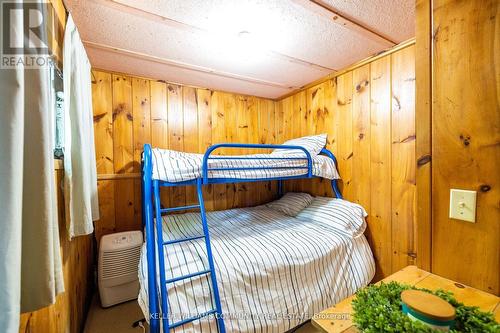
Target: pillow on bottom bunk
[
  {"x": 313, "y": 144},
  {"x": 291, "y": 203},
  {"x": 346, "y": 216}
]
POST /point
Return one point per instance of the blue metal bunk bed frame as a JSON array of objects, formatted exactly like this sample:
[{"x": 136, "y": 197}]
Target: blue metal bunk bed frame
[{"x": 154, "y": 236}]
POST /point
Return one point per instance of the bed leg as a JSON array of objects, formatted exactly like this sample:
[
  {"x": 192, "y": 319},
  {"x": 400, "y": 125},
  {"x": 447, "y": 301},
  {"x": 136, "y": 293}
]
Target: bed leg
[{"x": 148, "y": 222}]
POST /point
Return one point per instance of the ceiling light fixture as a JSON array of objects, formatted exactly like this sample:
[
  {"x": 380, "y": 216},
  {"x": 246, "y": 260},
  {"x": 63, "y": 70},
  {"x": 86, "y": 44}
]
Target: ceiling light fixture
[{"x": 242, "y": 32}]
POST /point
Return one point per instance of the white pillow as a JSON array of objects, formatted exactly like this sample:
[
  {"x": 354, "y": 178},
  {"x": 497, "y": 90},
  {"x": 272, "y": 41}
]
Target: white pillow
[
  {"x": 313, "y": 144},
  {"x": 345, "y": 216},
  {"x": 291, "y": 203}
]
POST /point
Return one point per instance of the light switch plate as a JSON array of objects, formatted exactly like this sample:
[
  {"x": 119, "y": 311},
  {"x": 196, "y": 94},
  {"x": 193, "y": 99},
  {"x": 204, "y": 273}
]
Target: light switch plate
[{"x": 463, "y": 205}]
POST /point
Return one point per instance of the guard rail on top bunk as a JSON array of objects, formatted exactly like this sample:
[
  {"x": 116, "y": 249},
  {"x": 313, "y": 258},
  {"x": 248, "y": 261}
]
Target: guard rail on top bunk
[
  {"x": 207, "y": 156},
  {"x": 150, "y": 192}
]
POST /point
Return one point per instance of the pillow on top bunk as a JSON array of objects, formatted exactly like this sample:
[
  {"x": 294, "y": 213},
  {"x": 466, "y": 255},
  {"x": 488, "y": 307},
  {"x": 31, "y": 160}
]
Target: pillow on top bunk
[
  {"x": 313, "y": 144},
  {"x": 347, "y": 217},
  {"x": 291, "y": 203}
]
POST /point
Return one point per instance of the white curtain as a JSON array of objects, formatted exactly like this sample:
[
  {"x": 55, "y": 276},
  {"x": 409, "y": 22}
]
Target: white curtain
[
  {"x": 30, "y": 260},
  {"x": 80, "y": 175}
]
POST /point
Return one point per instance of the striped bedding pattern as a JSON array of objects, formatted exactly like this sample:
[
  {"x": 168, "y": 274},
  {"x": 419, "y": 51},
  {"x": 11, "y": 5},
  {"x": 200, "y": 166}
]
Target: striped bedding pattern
[
  {"x": 313, "y": 144},
  {"x": 347, "y": 217},
  {"x": 291, "y": 203},
  {"x": 274, "y": 271},
  {"x": 175, "y": 166}
]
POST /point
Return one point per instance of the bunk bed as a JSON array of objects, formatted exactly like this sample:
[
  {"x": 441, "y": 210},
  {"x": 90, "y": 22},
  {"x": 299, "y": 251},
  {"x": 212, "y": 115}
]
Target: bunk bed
[{"x": 257, "y": 268}]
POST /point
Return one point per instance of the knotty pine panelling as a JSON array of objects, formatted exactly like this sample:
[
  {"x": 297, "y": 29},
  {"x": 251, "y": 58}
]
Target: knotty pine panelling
[
  {"x": 131, "y": 111},
  {"x": 423, "y": 124},
  {"x": 465, "y": 139},
  {"x": 369, "y": 115}
]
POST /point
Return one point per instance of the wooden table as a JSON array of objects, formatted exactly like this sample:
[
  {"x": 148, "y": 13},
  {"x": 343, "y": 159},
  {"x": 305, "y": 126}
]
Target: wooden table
[{"x": 338, "y": 318}]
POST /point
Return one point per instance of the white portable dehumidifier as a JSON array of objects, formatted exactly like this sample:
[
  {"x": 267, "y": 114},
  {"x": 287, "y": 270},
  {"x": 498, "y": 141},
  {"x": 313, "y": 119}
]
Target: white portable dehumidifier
[{"x": 117, "y": 267}]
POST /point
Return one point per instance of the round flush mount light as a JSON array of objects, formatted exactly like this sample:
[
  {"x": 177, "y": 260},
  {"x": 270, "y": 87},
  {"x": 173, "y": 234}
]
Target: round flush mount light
[{"x": 244, "y": 34}]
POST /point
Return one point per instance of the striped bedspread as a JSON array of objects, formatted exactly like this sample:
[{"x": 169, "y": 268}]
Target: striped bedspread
[
  {"x": 274, "y": 271},
  {"x": 174, "y": 166}
]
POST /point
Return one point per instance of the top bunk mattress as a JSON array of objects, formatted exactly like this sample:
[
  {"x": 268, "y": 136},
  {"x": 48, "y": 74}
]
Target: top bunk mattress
[{"x": 174, "y": 166}]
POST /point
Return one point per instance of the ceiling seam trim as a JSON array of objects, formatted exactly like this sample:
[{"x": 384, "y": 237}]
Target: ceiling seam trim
[
  {"x": 334, "y": 16},
  {"x": 182, "y": 65}
]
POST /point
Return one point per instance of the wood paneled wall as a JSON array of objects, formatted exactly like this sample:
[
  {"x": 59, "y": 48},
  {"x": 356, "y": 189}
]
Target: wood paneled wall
[
  {"x": 70, "y": 309},
  {"x": 423, "y": 125},
  {"x": 466, "y": 138},
  {"x": 369, "y": 115},
  {"x": 55, "y": 21},
  {"x": 131, "y": 111}
]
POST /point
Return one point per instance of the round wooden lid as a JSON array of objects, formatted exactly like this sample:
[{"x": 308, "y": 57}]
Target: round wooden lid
[{"x": 428, "y": 304}]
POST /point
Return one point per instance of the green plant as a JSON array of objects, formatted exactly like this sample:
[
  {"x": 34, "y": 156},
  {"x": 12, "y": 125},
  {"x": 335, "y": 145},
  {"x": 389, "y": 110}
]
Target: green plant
[{"x": 377, "y": 309}]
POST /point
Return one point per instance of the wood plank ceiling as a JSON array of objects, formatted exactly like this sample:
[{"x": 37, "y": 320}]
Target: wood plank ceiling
[{"x": 265, "y": 48}]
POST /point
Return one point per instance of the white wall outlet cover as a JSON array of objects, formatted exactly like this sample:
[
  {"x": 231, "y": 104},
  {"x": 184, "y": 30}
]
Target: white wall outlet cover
[{"x": 463, "y": 205}]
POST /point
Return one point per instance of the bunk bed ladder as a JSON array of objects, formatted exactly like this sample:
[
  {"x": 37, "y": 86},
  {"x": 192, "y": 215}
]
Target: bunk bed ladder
[{"x": 217, "y": 312}]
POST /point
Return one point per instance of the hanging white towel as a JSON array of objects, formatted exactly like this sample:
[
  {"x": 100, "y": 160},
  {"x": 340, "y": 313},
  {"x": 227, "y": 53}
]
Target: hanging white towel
[
  {"x": 30, "y": 261},
  {"x": 80, "y": 175}
]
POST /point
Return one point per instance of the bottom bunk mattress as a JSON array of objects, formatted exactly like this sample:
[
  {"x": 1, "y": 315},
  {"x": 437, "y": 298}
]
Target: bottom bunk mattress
[{"x": 274, "y": 271}]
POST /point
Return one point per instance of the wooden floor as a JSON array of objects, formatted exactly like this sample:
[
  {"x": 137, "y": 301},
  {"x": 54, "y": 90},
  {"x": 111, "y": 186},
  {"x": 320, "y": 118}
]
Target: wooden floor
[
  {"x": 119, "y": 318},
  {"x": 307, "y": 328}
]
